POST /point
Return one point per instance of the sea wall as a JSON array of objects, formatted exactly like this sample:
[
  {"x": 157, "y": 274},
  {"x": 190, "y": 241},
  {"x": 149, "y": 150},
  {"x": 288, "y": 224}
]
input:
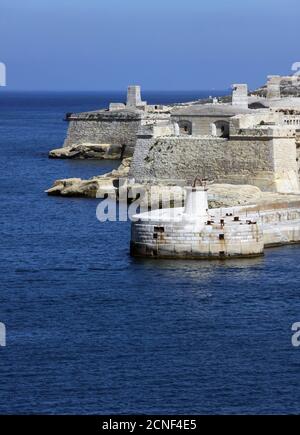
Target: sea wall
[
  {"x": 180, "y": 241},
  {"x": 229, "y": 232},
  {"x": 280, "y": 220}
]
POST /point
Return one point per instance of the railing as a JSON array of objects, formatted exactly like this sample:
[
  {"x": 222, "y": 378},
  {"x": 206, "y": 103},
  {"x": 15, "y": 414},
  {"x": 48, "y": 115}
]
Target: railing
[{"x": 293, "y": 120}]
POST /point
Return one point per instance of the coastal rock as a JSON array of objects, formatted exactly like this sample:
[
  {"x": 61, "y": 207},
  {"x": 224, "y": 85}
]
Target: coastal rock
[
  {"x": 76, "y": 187},
  {"x": 88, "y": 151},
  {"x": 119, "y": 183}
]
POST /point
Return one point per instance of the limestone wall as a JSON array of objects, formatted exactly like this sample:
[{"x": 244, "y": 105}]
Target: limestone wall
[
  {"x": 168, "y": 240},
  {"x": 266, "y": 225},
  {"x": 184, "y": 158},
  {"x": 107, "y": 131},
  {"x": 268, "y": 164},
  {"x": 280, "y": 221},
  {"x": 285, "y": 165}
]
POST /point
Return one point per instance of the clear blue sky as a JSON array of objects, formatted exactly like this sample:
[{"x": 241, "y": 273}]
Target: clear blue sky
[{"x": 160, "y": 44}]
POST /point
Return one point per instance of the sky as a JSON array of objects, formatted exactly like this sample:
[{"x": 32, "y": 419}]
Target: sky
[{"x": 159, "y": 44}]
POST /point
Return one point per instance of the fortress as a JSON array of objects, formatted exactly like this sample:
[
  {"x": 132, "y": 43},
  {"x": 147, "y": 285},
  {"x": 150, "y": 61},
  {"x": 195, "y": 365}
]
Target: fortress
[
  {"x": 247, "y": 139},
  {"x": 252, "y": 139}
]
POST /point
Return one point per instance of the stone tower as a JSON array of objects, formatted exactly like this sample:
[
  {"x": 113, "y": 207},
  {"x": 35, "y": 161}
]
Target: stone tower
[
  {"x": 240, "y": 95},
  {"x": 134, "y": 98},
  {"x": 273, "y": 87}
]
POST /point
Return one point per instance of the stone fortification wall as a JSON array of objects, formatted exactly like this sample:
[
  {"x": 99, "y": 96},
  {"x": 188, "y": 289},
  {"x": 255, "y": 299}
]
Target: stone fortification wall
[
  {"x": 175, "y": 240},
  {"x": 116, "y": 128},
  {"x": 269, "y": 164},
  {"x": 184, "y": 158}
]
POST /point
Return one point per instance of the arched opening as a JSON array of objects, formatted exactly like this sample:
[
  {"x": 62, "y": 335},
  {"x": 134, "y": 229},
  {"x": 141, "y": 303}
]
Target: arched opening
[
  {"x": 185, "y": 127},
  {"x": 221, "y": 129}
]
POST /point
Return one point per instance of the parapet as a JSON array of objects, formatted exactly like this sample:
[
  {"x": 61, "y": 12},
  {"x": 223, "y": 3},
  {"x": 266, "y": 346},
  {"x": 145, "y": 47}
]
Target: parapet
[{"x": 106, "y": 115}]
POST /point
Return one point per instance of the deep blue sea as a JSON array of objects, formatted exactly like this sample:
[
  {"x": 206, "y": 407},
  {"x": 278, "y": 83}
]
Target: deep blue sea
[{"x": 91, "y": 330}]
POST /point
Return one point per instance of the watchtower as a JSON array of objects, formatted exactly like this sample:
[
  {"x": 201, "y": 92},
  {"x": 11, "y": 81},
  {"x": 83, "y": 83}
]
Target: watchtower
[
  {"x": 240, "y": 95},
  {"x": 134, "y": 98}
]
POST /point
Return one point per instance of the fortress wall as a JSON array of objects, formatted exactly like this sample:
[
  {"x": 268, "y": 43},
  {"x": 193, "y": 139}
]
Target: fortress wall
[
  {"x": 140, "y": 169},
  {"x": 285, "y": 164},
  {"x": 115, "y": 132},
  {"x": 225, "y": 161}
]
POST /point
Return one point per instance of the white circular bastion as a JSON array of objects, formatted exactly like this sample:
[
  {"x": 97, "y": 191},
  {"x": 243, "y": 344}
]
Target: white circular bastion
[{"x": 194, "y": 232}]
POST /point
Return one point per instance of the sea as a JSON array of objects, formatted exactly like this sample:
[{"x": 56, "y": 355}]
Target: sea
[{"x": 90, "y": 330}]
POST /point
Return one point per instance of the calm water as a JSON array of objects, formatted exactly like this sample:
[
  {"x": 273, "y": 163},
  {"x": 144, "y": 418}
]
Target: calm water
[{"x": 91, "y": 330}]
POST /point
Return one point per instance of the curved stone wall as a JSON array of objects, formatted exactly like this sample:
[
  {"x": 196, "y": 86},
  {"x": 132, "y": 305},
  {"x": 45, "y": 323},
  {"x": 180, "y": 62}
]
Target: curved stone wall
[{"x": 222, "y": 239}]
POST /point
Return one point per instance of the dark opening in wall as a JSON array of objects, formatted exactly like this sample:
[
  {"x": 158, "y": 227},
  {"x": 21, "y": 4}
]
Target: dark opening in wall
[
  {"x": 185, "y": 127},
  {"x": 159, "y": 229},
  {"x": 222, "y": 128}
]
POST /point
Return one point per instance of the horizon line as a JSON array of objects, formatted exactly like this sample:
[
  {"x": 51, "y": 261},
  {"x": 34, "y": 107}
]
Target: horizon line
[{"x": 113, "y": 90}]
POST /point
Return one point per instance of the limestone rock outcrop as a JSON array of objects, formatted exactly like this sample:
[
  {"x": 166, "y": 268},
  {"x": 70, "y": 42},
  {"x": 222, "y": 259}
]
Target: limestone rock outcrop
[
  {"x": 76, "y": 187},
  {"x": 88, "y": 151},
  {"x": 219, "y": 195}
]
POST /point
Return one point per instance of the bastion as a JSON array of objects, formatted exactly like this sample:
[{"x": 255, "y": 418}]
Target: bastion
[
  {"x": 195, "y": 232},
  {"x": 109, "y": 133},
  {"x": 260, "y": 150}
]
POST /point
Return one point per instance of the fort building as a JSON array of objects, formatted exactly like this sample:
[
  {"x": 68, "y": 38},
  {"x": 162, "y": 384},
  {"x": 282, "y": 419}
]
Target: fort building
[
  {"x": 260, "y": 150},
  {"x": 250, "y": 139}
]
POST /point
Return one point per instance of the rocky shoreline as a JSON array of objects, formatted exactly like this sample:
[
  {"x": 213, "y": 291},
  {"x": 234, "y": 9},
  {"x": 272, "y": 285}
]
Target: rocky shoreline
[
  {"x": 119, "y": 182},
  {"x": 88, "y": 151},
  {"x": 91, "y": 188}
]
